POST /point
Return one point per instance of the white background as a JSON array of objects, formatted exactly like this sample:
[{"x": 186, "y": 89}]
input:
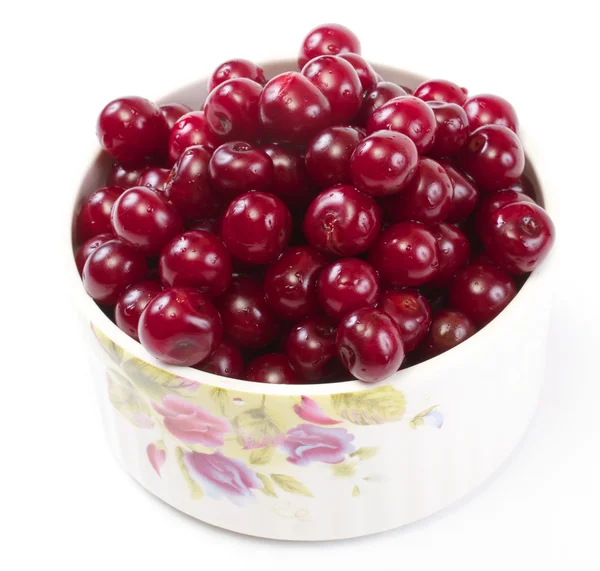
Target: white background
[{"x": 63, "y": 499}]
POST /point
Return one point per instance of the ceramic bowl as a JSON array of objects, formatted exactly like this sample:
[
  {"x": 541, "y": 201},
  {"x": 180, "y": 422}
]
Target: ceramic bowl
[{"x": 323, "y": 461}]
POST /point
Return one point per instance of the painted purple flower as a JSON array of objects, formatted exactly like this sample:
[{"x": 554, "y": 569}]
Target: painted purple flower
[
  {"x": 220, "y": 476},
  {"x": 307, "y": 443},
  {"x": 192, "y": 424}
]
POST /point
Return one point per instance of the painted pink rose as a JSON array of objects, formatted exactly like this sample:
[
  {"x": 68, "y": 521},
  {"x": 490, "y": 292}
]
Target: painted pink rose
[
  {"x": 307, "y": 443},
  {"x": 310, "y": 411},
  {"x": 190, "y": 423},
  {"x": 220, "y": 476}
]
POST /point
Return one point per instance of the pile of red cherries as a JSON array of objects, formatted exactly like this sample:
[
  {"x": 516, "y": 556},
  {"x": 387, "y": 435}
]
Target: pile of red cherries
[{"x": 317, "y": 225}]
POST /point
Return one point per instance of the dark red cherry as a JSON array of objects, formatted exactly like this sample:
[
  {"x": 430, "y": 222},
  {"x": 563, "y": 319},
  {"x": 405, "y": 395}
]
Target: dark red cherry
[
  {"x": 256, "y": 227},
  {"x": 291, "y": 283},
  {"x": 310, "y": 348},
  {"x": 153, "y": 177},
  {"x": 206, "y": 225},
  {"x": 187, "y": 187},
  {"x": 131, "y": 129},
  {"x": 411, "y": 312},
  {"x": 191, "y": 129},
  {"x": 449, "y": 328},
  {"x": 366, "y": 74},
  {"x": 292, "y": 109},
  {"x": 441, "y": 90},
  {"x": 489, "y": 109},
  {"x": 452, "y": 129},
  {"x": 226, "y": 360},
  {"x": 339, "y": 82},
  {"x": 492, "y": 202},
  {"x": 405, "y": 254},
  {"x": 173, "y": 111},
  {"x": 272, "y": 368},
  {"x": 231, "y": 110},
  {"x": 196, "y": 259},
  {"x": 247, "y": 318},
  {"x": 525, "y": 186},
  {"x": 235, "y": 68},
  {"x": 426, "y": 198},
  {"x": 289, "y": 181},
  {"x": 342, "y": 221},
  {"x": 481, "y": 292},
  {"x": 180, "y": 326},
  {"x": 518, "y": 236},
  {"x": 110, "y": 268},
  {"x": 86, "y": 249},
  {"x": 346, "y": 285},
  {"x": 237, "y": 167},
  {"x": 383, "y": 163},
  {"x": 464, "y": 194},
  {"x": 328, "y": 39},
  {"x": 124, "y": 176},
  {"x": 383, "y": 92},
  {"x": 94, "y": 216},
  {"x": 493, "y": 157},
  {"x": 369, "y": 344},
  {"x": 132, "y": 302},
  {"x": 454, "y": 252},
  {"x": 328, "y": 155}
]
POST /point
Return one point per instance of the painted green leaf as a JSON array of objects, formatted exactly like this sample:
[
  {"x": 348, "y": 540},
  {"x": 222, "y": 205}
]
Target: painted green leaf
[
  {"x": 417, "y": 420},
  {"x": 267, "y": 488},
  {"x": 290, "y": 485},
  {"x": 110, "y": 347},
  {"x": 127, "y": 400},
  {"x": 374, "y": 406},
  {"x": 256, "y": 428},
  {"x": 365, "y": 453},
  {"x": 344, "y": 470},
  {"x": 195, "y": 490},
  {"x": 220, "y": 396},
  {"x": 262, "y": 455},
  {"x": 355, "y": 492}
]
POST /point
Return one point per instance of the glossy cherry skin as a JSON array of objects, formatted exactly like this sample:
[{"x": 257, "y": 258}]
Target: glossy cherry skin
[
  {"x": 180, "y": 326},
  {"x": 366, "y": 74},
  {"x": 196, "y": 259},
  {"x": 94, "y": 216},
  {"x": 328, "y": 155},
  {"x": 493, "y": 157},
  {"x": 411, "y": 312},
  {"x": 405, "y": 254},
  {"x": 292, "y": 109},
  {"x": 449, "y": 328},
  {"x": 191, "y": 129},
  {"x": 441, "y": 90},
  {"x": 226, "y": 360},
  {"x": 481, "y": 291},
  {"x": 231, "y": 110},
  {"x": 153, "y": 177},
  {"x": 383, "y": 163},
  {"x": 173, "y": 111},
  {"x": 330, "y": 40},
  {"x": 518, "y": 236},
  {"x": 492, "y": 202},
  {"x": 427, "y": 197},
  {"x": 187, "y": 187},
  {"x": 342, "y": 221},
  {"x": 346, "y": 285},
  {"x": 131, "y": 129},
  {"x": 407, "y": 115},
  {"x": 310, "y": 348},
  {"x": 465, "y": 195},
  {"x": 110, "y": 268},
  {"x": 291, "y": 283},
  {"x": 369, "y": 344},
  {"x": 86, "y": 249},
  {"x": 272, "y": 368},
  {"x": 289, "y": 180},
  {"x": 124, "y": 176},
  {"x": 383, "y": 92},
  {"x": 256, "y": 227},
  {"x": 247, "y": 318},
  {"x": 454, "y": 251},
  {"x": 489, "y": 109},
  {"x": 131, "y": 304},
  {"x": 144, "y": 220},
  {"x": 237, "y": 167},
  {"x": 339, "y": 82},
  {"x": 452, "y": 129},
  {"x": 236, "y": 68},
  {"x": 525, "y": 186}
]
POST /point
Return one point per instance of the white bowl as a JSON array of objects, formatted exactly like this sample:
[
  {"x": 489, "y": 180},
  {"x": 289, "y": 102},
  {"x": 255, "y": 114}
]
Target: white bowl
[{"x": 324, "y": 461}]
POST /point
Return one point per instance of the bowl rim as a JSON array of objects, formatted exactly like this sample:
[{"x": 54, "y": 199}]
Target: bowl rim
[{"x": 539, "y": 278}]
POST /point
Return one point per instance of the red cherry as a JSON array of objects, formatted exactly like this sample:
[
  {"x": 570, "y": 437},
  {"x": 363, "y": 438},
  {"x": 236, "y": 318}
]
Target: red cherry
[
  {"x": 289, "y": 181},
  {"x": 226, "y": 360},
  {"x": 449, "y": 328},
  {"x": 191, "y": 129},
  {"x": 131, "y": 304},
  {"x": 464, "y": 196},
  {"x": 173, "y": 111},
  {"x": 366, "y": 74},
  {"x": 383, "y": 92},
  {"x": 86, "y": 249},
  {"x": 124, "y": 176},
  {"x": 94, "y": 216},
  {"x": 452, "y": 129},
  {"x": 328, "y": 39},
  {"x": 489, "y": 109},
  {"x": 153, "y": 177},
  {"x": 441, "y": 90},
  {"x": 272, "y": 368},
  {"x": 492, "y": 202},
  {"x": 454, "y": 251},
  {"x": 235, "y": 68}
]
